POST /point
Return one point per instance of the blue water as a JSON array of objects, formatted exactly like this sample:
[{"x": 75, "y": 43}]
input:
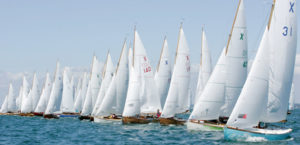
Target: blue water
[{"x": 36, "y": 130}]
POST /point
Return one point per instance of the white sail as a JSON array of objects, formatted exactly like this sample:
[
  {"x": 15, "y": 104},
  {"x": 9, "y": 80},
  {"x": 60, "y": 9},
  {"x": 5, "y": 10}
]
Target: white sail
[
  {"x": 35, "y": 92},
  {"x": 4, "y": 106},
  {"x": 283, "y": 45},
  {"x": 67, "y": 102},
  {"x": 19, "y": 99},
  {"x": 292, "y": 98},
  {"x": 87, "y": 106},
  {"x": 205, "y": 67},
  {"x": 163, "y": 73},
  {"x": 11, "y": 100},
  {"x": 253, "y": 98},
  {"x": 42, "y": 104},
  {"x": 95, "y": 79},
  {"x": 132, "y": 103},
  {"x": 26, "y": 106},
  {"x": 150, "y": 100},
  {"x": 107, "y": 75},
  {"x": 130, "y": 58},
  {"x": 212, "y": 98},
  {"x": 80, "y": 98},
  {"x": 178, "y": 99},
  {"x": 77, "y": 89},
  {"x": 114, "y": 100},
  {"x": 236, "y": 61},
  {"x": 56, "y": 92}
]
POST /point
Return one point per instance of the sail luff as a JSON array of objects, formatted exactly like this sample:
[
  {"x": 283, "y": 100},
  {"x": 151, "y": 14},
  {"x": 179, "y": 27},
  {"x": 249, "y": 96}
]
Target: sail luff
[{"x": 229, "y": 38}]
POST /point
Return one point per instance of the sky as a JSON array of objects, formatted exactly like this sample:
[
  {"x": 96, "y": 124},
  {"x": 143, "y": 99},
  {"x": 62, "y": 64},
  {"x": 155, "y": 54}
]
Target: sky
[{"x": 36, "y": 33}]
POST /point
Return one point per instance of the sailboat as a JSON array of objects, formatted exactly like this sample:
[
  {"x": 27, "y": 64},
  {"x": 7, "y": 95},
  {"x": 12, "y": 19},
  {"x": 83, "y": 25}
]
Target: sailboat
[
  {"x": 3, "y": 109},
  {"x": 177, "y": 100},
  {"x": 236, "y": 62},
  {"x": 206, "y": 110},
  {"x": 87, "y": 107},
  {"x": 35, "y": 92},
  {"x": 265, "y": 95},
  {"x": 81, "y": 93},
  {"x": 11, "y": 101},
  {"x": 9, "y": 106},
  {"x": 107, "y": 74},
  {"x": 225, "y": 82},
  {"x": 142, "y": 99},
  {"x": 113, "y": 103},
  {"x": 205, "y": 67},
  {"x": 26, "y": 106},
  {"x": 42, "y": 104},
  {"x": 163, "y": 73},
  {"x": 292, "y": 99},
  {"x": 67, "y": 102},
  {"x": 55, "y": 96},
  {"x": 19, "y": 99}
]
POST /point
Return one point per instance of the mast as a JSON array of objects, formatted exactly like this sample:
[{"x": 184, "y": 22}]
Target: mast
[
  {"x": 237, "y": 10},
  {"x": 178, "y": 42},
  {"x": 201, "y": 48},
  {"x": 121, "y": 55},
  {"x": 162, "y": 50},
  {"x": 271, "y": 14},
  {"x": 92, "y": 67},
  {"x": 104, "y": 69},
  {"x": 133, "y": 46}
]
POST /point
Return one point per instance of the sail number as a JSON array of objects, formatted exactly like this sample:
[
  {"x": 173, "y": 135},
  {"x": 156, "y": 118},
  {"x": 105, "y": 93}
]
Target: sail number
[
  {"x": 286, "y": 31},
  {"x": 147, "y": 69}
]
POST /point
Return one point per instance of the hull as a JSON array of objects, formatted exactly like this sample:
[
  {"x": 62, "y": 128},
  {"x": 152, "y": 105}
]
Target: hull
[
  {"x": 86, "y": 118},
  {"x": 235, "y": 134},
  {"x": 134, "y": 120},
  {"x": 69, "y": 115},
  {"x": 38, "y": 113},
  {"x": 197, "y": 125},
  {"x": 105, "y": 119},
  {"x": 171, "y": 121},
  {"x": 50, "y": 116},
  {"x": 26, "y": 114},
  {"x": 9, "y": 113}
]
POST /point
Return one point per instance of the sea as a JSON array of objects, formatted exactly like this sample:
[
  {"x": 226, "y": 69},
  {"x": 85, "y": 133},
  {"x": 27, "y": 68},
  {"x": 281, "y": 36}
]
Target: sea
[{"x": 37, "y": 130}]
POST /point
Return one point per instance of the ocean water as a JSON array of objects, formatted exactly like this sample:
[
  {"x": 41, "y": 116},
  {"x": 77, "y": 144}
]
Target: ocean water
[{"x": 36, "y": 130}]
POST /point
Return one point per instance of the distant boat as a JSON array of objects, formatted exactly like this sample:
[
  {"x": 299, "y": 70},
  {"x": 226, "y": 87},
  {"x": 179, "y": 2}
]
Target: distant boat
[
  {"x": 19, "y": 99},
  {"x": 292, "y": 99},
  {"x": 55, "y": 96},
  {"x": 42, "y": 104},
  {"x": 236, "y": 62},
  {"x": 79, "y": 101},
  {"x": 205, "y": 68},
  {"x": 35, "y": 92},
  {"x": 163, "y": 73},
  {"x": 3, "y": 109},
  {"x": 142, "y": 99},
  {"x": 178, "y": 99},
  {"x": 26, "y": 106},
  {"x": 113, "y": 103},
  {"x": 107, "y": 74},
  {"x": 265, "y": 95},
  {"x": 67, "y": 102},
  {"x": 11, "y": 101}
]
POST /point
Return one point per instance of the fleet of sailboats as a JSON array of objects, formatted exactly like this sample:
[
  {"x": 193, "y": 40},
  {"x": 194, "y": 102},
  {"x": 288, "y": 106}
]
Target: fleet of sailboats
[{"x": 226, "y": 98}]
